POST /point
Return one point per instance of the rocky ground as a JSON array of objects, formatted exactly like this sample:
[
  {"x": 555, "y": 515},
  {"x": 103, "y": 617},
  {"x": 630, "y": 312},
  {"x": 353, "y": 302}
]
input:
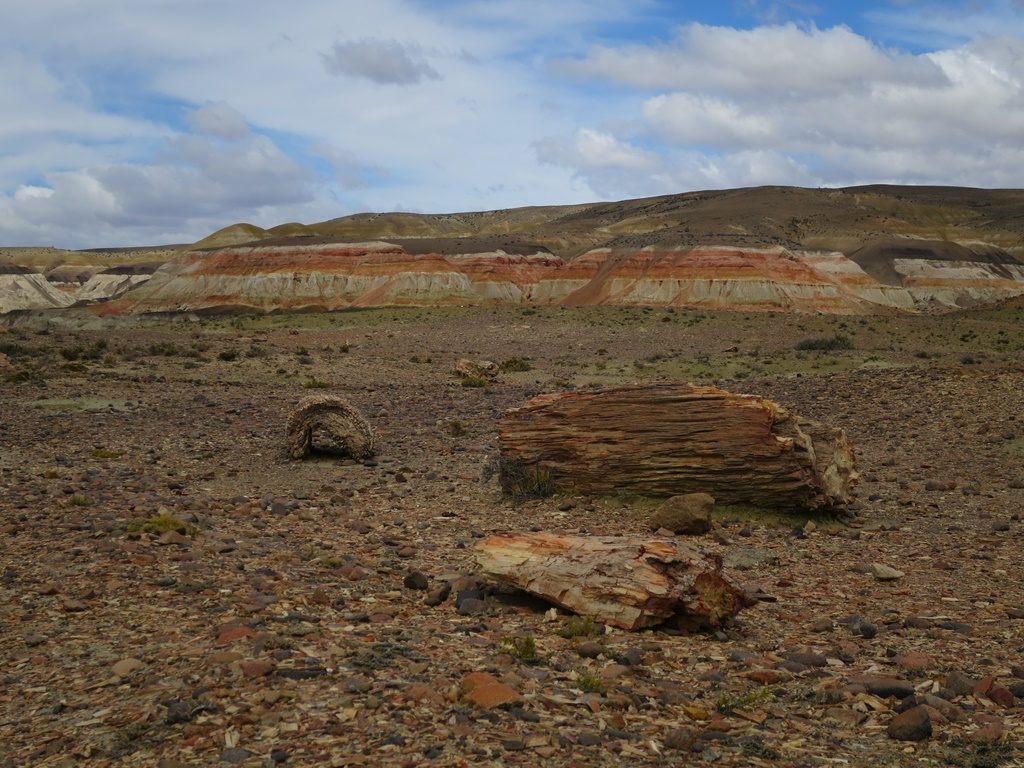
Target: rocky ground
[{"x": 174, "y": 592}]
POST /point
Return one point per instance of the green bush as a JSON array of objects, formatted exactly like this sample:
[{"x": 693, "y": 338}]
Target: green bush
[
  {"x": 825, "y": 343},
  {"x": 515, "y": 364}
]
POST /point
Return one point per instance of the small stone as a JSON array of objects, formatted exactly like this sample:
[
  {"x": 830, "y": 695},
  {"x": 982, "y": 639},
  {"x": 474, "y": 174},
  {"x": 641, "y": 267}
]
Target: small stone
[
  {"x": 279, "y": 755},
  {"x": 912, "y": 725},
  {"x": 989, "y": 733},
  {"x": 416, "y": 580},
  {"x": 437, "y": 596},
  {"x": 235, "y": 755},
  {"x": 806, "y": 658},
  {"x": 960, "y": 684},
  {"x": 590, "y": 649},
  {"x": 486, "y": 691},
  {"x": 34, "y": 640},
  {"x": 424, "y": 692},
  {"x": 822, "y": 625},
  {"x": 865, "y": 629},
  {"x": 884, "y": 686},
  {"x": 1001, "y": 696},
  {"x": 125, "y": 667},
  {"x": 915, "y": 661},
  {"x": 634, "y": 657},
  {"x": 257, "y": 667},
  {"x": 885, "y": 573},
  {"x": 687, "y": 515},
  {"x": 590, "y": 739},
  {"x": 472, "y": 607}
]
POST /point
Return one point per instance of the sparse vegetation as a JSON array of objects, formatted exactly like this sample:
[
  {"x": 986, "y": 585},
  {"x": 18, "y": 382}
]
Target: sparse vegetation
[
  {"x": 474, "y": 381},
  {"x": 523, "y": 648},
  {"x": 832, "y": 343},
  {"x": 590, "y": 682},
  {"x": 227, "y": 355},
  {"x": 80, "y": 500},
  {"x": 579, "y": 626},
  {"x": 515, "y": 364},
  {"x": 755, "y": 698},
  {"x": 521, "y": 482},
  {"x": 161, "y": 523}
]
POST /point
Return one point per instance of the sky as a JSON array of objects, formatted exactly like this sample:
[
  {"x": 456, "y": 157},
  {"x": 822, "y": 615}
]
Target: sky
[{"x": 132, "y": 122}]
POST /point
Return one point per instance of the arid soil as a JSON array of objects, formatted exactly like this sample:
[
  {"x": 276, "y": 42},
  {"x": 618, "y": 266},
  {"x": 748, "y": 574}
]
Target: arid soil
[{"x": 175, "y": 592}]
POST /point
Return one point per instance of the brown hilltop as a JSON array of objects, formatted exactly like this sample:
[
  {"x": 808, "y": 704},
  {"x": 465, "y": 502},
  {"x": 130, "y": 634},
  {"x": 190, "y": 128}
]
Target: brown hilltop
[{"x": 855, "y": 250}]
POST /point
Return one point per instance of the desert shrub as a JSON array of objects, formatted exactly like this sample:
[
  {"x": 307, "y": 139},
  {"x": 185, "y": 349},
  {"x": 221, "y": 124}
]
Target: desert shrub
[
  {"x": 314, "y": 383},
  {"x": 158, "y": 524},
  {"x": 579, "y": 626},
  {"x": 521, "y": 482},
  {"x": 227, "y": 355},
  {"x": 165, "y": 349},
  {"x": 80, "y": 500},
  {"x": 523, "y": 648},
  {"x": 825, "y": 343},
  {"x": 590, "y": 682},
  {"x": 474, "y": 381},
  {"x": 514, "y": 364}
]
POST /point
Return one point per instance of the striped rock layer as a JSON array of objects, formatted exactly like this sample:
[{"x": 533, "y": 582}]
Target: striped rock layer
[{"x": 331, "y": 276}]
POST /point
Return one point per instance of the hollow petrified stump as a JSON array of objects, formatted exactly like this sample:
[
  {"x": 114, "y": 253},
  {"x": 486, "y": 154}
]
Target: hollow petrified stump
[
  {"x": 629, "y": 583},
  {"x": 665, "y": 440},
  {"x": 328, "y": 424}
]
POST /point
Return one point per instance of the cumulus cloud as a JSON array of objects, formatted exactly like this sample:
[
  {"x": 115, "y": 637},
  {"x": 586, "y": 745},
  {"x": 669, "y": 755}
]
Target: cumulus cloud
[
  {"x": 199, "y": 180},
  {"x": 386, "y": 62},
  {"x": 788, "y": 104},
  {"x": 765, "y": 62},
  {"x": 218, "y": 119}
]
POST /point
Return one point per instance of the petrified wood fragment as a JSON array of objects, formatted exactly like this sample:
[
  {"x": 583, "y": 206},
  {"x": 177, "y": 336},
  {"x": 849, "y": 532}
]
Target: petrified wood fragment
[
  {"x": 329, "y": 424},
  {"x": 629, "y": 583},
  {"x": 669, "y": 439}
]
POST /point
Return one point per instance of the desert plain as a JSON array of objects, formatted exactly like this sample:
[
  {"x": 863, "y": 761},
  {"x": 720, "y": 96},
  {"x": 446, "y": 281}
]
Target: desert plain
[{"x": 175, "y": 591}]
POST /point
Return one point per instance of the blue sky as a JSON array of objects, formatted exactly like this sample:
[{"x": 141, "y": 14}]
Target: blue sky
[{"x": 147, "y": 121}]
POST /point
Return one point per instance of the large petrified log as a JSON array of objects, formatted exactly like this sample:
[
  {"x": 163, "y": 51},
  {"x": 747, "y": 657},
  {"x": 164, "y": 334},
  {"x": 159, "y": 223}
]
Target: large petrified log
[
  {"x": 670, "y": 439},
  {"x": 629, "y": 583}
]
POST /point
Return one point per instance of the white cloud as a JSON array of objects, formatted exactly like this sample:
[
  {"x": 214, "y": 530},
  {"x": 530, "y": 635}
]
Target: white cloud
[
  {"x": 218, "y": 119},
  {"x": 786, "y": 104},
  {"x": 386, "y": 62},
  {"x": 766, "y": 62},
  {"x": 198, "y": 181}
]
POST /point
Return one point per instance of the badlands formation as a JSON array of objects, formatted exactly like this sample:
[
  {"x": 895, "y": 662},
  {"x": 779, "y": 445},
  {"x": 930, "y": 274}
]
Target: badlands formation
[{"x": 865, "y": 250}]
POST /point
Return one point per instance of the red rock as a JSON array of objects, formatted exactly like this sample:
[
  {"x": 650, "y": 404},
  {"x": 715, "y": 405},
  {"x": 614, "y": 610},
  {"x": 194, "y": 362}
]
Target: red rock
[
  {"x": 912, "y": 725},
  {"x": 233, "y": 633},
  {"x": 989, "y": 733},
  {"x": 257, "y": 667},
  {"x": 982, "y": 686},
  {"x": 915, "y": 660},
  {"x": 1001, "y": 696},
  {"x": 424, "y": 692},
  {"x": 486, "y": 691},
  {"x": 765, "y": 676}
]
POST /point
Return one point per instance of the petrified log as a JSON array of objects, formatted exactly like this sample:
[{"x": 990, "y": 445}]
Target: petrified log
[
  {"x": 629, "y": 583},
  {"x": 671, "y": 439},
  {"x": 329, "y": 424}
]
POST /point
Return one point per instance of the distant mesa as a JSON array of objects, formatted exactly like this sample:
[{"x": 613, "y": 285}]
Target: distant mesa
[{"x": 860, "y": 250}]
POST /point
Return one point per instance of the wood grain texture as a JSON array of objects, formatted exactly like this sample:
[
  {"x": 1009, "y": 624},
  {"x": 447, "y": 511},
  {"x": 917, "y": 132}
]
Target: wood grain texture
[
  {"x": 628, "y": 583},
  {"x": 670, "y": 439}
]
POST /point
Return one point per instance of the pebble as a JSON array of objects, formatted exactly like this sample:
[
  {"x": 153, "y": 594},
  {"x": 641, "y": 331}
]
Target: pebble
[
  {"x": 416, "y": 580},
  {"x": 590, "y": 649},
  {"x": 235, "y": 755},
  {"x": 125, "y": 667},
  {"x": 884, "y": 572},
  {"x": 486, "y": 691},
  {"x": 913, "y": 725}
]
